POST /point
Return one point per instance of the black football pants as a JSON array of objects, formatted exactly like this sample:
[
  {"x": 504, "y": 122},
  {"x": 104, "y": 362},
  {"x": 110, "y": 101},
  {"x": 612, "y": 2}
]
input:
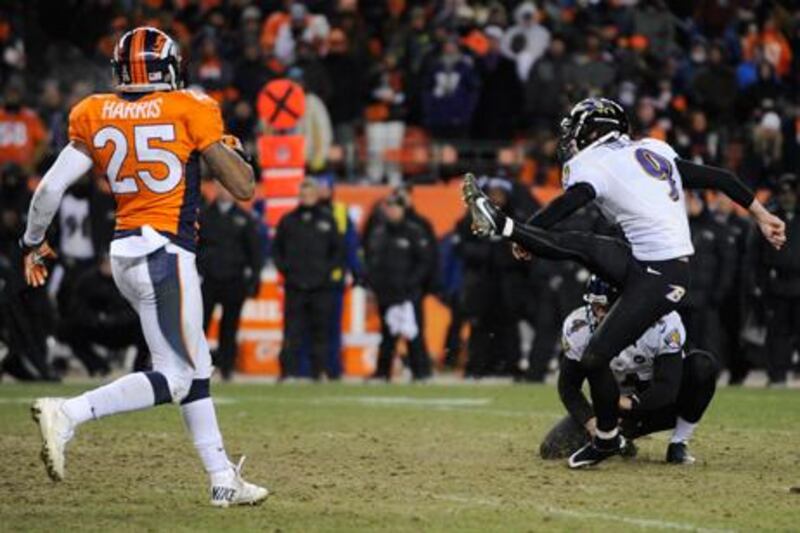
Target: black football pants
[
  {"x": 306, "y": 316},
  {"x": 648, "y": 291},
  {"x": 230, "y": 295}
]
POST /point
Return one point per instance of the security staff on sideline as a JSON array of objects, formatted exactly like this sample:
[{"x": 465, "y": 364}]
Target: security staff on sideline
[
  {"x": 493, "y": 280},
  {"x": 776, "y": 278},
  {"x": 712, "y": 274},
  {"x": 351, "y": 265},
  {"x": 230, "y": 261},
  {"x": 307, "y": 250},
  {"x": 732, "y": 310},
  {"x": 396, "y": 257}
]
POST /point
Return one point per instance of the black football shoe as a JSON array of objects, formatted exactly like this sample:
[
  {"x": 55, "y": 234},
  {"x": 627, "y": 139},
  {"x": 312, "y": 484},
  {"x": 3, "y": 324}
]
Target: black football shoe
[
  {"x": 678, "y": 454},
  {"x": 487, "y": 220},
  {"x": 597, "y": 451}
]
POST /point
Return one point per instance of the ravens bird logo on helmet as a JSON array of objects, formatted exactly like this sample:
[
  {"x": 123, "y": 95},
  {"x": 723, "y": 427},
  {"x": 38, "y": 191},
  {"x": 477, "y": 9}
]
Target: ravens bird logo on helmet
[{"x": 588, "y": 121}]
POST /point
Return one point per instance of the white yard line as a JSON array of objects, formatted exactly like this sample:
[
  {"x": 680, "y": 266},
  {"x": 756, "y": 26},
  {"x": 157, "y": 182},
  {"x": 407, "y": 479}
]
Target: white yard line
[
  {"x": 650, "y": 523},
  {"x": 408, "y": 400},
  {"x": 647, "y": 523},
  {"x": 17, "y": 400},
  {"x": 459, "y": 405}
]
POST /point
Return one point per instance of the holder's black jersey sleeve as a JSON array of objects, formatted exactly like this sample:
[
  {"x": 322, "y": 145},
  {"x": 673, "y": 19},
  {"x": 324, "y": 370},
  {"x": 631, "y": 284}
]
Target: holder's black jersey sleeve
[{"x": 570, "y": 382}]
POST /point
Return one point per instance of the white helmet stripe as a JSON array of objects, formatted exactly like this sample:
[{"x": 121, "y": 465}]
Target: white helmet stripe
[{"x": 121, "y": 44}]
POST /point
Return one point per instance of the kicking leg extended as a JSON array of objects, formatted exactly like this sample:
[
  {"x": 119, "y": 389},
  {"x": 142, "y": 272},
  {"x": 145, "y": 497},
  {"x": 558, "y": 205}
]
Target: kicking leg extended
[{"x": 607, "y": 257}]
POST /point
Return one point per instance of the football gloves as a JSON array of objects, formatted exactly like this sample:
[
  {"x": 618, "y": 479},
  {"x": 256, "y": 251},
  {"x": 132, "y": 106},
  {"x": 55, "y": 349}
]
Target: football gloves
[
  {"x": 233, "y": 142},
  {"x": 34, "y": 259}
]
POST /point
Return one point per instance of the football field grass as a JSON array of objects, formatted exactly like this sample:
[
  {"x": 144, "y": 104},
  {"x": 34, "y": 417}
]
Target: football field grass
[{"x": 400, "y": 458}]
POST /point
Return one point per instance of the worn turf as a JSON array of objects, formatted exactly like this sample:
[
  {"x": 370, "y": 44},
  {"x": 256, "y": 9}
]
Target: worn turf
[{"x": 400, "y": 458}]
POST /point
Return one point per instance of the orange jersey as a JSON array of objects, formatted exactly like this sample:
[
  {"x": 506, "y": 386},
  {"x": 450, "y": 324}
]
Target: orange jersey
[
  {"x": 20, "y": 133},
  {"x": 148, "y": 146}
]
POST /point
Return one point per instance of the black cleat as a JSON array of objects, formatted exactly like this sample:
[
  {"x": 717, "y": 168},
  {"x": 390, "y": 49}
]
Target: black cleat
[
  {"x": 594, "y": 452},
  {"x": 678, "y": 454},
  {"x": 486, "y": 219}
]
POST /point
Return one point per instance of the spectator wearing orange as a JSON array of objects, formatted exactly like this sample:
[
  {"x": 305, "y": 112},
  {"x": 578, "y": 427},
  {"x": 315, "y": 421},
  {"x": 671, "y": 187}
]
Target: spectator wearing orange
[
  {"x": 471, "y": 37},
  {"x": 272, "y": 24},
  {"x": 773, "y": 44},
  {"x": 23, "y": 138}
]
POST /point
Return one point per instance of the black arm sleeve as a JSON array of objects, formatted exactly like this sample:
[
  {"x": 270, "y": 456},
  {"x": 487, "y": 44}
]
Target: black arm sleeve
[
  {"x": 719, "y": 179},
  {"x": 663, "y": 391},
  {"x": 570, "y": 381},
  {"x": 573, "y": 199}
]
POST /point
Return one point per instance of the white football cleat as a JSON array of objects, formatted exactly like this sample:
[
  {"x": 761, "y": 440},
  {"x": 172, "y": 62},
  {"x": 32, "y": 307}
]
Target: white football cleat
[
  {"x": 230, "y": 488},
  {"x": 57, "y": 430}
]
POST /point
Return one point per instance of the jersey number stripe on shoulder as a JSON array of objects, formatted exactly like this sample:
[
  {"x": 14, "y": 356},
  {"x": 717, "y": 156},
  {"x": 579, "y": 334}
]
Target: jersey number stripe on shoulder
[
  {"x": 659, "y": 167},
  {"x": 145, "y": 153}
]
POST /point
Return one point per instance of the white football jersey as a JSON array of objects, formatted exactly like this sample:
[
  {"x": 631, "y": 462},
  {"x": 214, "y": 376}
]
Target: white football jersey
[
  {"x": 639, "y": 188},
  {"x": 635, "y": 363}
]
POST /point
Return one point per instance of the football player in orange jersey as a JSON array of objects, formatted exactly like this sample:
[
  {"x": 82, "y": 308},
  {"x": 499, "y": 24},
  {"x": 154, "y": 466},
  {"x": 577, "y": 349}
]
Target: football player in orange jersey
[{"x": 147, "y": 138}]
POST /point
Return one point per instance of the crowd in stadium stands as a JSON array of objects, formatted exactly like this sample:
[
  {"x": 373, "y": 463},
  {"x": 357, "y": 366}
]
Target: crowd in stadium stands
[{"x": 453, "y": 85}]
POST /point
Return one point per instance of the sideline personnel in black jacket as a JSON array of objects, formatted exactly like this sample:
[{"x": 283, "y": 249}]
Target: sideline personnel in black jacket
[
  {"x": 775, "y": 277},
  {"x": 306, "y": 251},
  {"x": 230, "y": 261},
  {"x": 713, "y": 271},
  {"x": 397, "y": 254}
]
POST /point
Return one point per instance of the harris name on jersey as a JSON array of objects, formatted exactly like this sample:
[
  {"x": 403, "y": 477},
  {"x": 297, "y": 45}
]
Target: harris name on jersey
[{"x": 121, "y": 110}]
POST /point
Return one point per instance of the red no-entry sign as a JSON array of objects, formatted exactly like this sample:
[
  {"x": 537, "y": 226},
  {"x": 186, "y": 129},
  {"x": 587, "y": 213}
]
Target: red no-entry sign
[{"x": 281, "y": 103}]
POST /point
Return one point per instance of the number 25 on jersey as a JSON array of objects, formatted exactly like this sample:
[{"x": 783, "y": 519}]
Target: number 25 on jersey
[{"x": 144, "y": 153}]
